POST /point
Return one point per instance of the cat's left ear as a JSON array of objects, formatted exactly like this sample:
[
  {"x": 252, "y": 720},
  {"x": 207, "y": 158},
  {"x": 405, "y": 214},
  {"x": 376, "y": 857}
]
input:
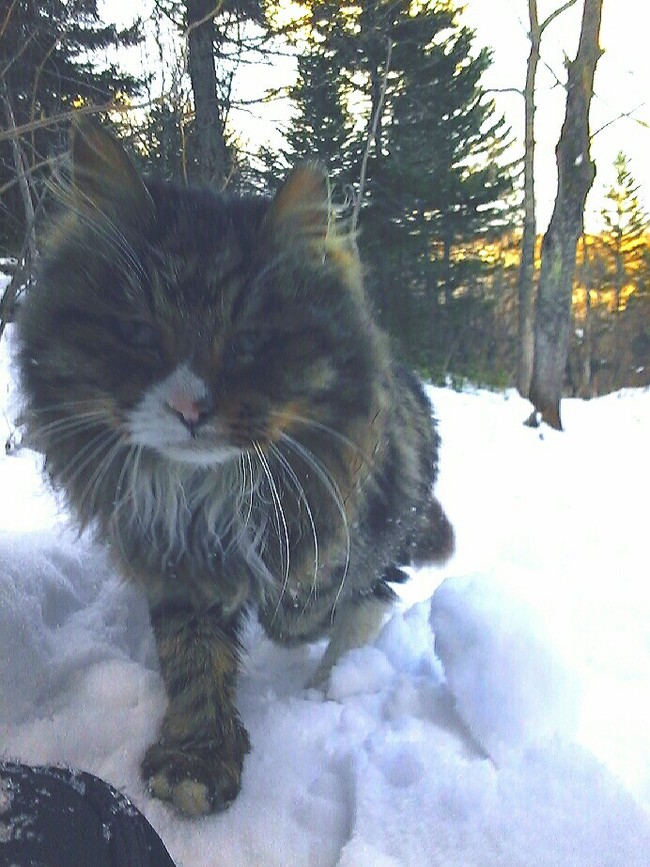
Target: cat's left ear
[
  {"x": 104, "y": 175},
  {"x": 300, "y": 208}
]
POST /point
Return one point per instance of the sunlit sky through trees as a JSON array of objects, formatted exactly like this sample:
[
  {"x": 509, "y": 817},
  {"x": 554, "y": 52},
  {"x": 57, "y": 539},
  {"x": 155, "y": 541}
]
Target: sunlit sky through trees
[{"x": 620, "y": 114}]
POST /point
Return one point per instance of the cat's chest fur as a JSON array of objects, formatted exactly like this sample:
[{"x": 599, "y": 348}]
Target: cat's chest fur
[
  {"x": 190, "y": 533},
  {"x": 235, "y": 533}
]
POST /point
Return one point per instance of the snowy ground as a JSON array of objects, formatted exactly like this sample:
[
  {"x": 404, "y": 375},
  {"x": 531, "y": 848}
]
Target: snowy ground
[{"x": 503, "y": 722}]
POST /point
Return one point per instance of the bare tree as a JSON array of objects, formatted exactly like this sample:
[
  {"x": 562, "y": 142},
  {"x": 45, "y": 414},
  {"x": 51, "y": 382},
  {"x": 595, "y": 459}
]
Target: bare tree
[
  {"x": 576, "y": 173},
  {"x": 526, "y": 284}
]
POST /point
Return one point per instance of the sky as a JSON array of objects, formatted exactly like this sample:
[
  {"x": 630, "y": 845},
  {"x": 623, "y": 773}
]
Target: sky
[{"x": 621, "y": 88}]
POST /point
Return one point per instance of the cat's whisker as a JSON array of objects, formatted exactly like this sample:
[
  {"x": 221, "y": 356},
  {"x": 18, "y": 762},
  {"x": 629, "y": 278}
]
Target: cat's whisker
[
  {"x": 326, "y": 429},
  {"x": 65, "y": 428},
  {"x": 107, "y": 447},
  {"x": 127, "y": 466},
  {"x": 92, "y": 450},
  {"x": 100, "y": 473},
  {"x": 87, "y": 452},
  {"x": 330, "y": 485},
  {"x": 247, "y": 492},
  {"x": 281, "y": 523},
  {"x": 237, "y": 511},
  {"x": 71, "y": 409},
  {"x": 302, "y": 496},
  {"x": 86, "y": 403},
  {"x": 126, "y": 493}
]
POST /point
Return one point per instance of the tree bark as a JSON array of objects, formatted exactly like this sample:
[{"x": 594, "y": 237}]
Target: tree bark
[
  {"x": 526, "y": 281},
  {"x": 576, "y": 174},
  {"x": 209, "y": 124}
]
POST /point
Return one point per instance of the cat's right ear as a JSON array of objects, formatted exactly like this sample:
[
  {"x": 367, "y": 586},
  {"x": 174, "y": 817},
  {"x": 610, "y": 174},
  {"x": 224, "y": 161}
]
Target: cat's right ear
[
  {"x": 300, "y": 208},
  {"x": 104, "y": 177}
]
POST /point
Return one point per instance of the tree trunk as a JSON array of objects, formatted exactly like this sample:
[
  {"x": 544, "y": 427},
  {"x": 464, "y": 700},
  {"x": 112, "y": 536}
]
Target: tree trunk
[
  {"x": 209, "y": 124},
  {"x": 526, "y": 283},
  {"x": 576, "y": 174}
]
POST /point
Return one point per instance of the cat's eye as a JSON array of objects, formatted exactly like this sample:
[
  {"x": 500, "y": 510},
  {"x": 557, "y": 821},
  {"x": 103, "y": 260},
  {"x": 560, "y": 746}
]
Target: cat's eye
[
  {"x": 244, "y": 349},
  {"x": 137, "y": 333}
]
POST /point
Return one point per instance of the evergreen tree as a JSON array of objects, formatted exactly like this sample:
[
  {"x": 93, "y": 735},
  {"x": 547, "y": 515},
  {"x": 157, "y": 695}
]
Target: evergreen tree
[
  {"x": 626, "y": 274},
  {"x": 398, "y": 82},
  {"x": 214, "y": 34},
  {"x": 324, "y": 128},
  {"x": 49, "y": 65},
  {"x": 626, "y": 225}
]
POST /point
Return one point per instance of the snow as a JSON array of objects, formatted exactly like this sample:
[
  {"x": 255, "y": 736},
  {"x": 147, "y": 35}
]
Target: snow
[{"x": 501, "y": 717}]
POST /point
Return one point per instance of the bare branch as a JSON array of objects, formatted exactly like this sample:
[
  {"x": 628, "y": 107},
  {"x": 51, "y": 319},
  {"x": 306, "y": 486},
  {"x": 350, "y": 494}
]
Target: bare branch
[
  {"x": 629, "y": 114},
  {"x": 41, "y": 164},
  {"x": 516, "y": 90},
  {"x": 21, "y": 174},
  {"x": 372, "y": 131},
  {"x": 65, "y": 116},
  {"x": 5, "y": 23},
  {"x": 205, "y": 19},
  {"x": 554, "y": 15}
]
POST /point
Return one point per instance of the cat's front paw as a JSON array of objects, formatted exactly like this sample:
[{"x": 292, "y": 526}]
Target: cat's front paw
[{"x": 199, "y": 777}]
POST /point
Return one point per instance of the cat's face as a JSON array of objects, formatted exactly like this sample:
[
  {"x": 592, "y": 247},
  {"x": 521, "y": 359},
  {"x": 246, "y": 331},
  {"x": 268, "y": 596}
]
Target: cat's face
[{"x": 191, "y": 325}]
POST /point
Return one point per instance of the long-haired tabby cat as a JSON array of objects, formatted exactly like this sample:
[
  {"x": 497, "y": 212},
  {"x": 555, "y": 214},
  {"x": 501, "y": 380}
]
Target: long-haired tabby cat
[{"x": 210, "y": 391}]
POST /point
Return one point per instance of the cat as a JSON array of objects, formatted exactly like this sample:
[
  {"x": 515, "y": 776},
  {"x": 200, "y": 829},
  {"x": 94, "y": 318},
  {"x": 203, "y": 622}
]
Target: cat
[{"x": 212, "y": 394}]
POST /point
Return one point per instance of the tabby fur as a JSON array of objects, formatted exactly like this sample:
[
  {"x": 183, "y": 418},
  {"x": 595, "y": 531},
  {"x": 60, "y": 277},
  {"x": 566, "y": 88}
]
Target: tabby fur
[{"x": 210, "y": 391}]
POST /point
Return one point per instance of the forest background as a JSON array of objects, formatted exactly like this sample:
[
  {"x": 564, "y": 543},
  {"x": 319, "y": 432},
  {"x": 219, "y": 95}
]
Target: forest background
[{"x": 392, "y": 97}]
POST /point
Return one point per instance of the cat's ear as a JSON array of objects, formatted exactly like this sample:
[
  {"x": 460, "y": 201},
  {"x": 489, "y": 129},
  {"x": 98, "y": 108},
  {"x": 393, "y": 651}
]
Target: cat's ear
[
  {"x": 300, "y": 207},
  {"x": 104, "y": 176}
]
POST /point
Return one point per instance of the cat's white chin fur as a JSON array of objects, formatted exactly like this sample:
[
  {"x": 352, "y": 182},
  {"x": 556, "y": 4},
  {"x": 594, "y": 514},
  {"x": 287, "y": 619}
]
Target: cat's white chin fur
[
  {"x": 200, "y": 457},
  {"x": 151, "y": 423}
]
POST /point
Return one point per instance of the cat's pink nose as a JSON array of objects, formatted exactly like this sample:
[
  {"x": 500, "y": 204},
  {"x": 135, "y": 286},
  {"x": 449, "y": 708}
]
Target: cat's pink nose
[{"x": 189, "y": 410}]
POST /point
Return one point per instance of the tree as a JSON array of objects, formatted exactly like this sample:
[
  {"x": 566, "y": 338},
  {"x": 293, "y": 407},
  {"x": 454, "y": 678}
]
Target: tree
[
  {"x": 209, "y": 120},
  {"x": 49, "y": 67},
  {"x": 323, "y": 127},
  {"x": 526, "y": 285},
  {"x": 625, "y": 226},
  {"x": 208, "y": 26},
  {"x": 576, "y": 173},
  {"x": 417, "y": 140}
]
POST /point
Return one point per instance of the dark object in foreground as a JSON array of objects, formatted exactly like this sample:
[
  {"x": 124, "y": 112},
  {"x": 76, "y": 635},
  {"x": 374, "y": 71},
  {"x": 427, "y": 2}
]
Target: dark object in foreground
[{"x": 63, "y": 818}]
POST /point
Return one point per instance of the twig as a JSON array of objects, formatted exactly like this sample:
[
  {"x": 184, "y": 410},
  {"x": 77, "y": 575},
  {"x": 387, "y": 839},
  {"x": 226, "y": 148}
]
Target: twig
[
  {"x": 195, "y": 24},
  {"x": 372, "y": 131}
]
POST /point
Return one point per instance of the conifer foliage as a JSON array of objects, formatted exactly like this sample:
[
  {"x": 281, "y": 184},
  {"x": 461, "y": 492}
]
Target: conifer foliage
[
  {"x": 389, "y": 98},
  {"x": 53, "y": 58},
  {"x": 626, "y": 224}
]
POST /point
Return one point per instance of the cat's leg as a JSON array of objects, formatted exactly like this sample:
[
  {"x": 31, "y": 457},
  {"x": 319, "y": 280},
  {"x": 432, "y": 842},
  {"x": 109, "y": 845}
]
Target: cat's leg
[
  {"x": 356, "y": 623},
  {"x": 197, "y": 761}
]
